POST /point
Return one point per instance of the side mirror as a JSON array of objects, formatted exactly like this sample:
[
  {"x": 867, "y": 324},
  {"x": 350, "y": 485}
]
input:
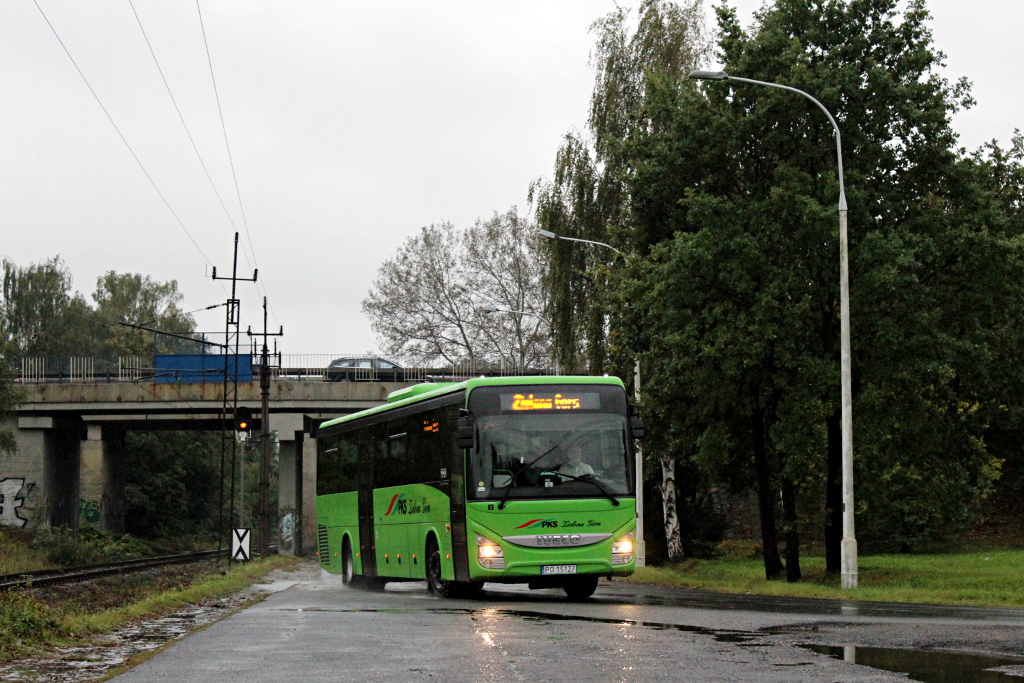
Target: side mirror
[
  {"x": 466, "y": 437},
  {"x": 636, "y": 423}
]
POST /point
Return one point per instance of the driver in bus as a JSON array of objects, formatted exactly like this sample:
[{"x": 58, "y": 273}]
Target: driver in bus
[{"x": 575, "y": 467}]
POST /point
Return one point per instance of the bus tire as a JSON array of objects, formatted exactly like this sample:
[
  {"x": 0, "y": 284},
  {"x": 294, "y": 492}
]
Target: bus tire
[
  {"x": 348, "y": 567},
  {"x": 581, "y": 587},
  {"x": 435, "y": 584}
]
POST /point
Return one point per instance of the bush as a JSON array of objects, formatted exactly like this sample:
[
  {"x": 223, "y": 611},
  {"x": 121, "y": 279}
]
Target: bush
[
  {"x": 26, "y": 618},
  {"x": 91, "y": 546}
]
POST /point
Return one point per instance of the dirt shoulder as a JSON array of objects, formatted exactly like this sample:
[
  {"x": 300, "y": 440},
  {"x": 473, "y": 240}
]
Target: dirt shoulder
[{"x": 91, "y": 630}]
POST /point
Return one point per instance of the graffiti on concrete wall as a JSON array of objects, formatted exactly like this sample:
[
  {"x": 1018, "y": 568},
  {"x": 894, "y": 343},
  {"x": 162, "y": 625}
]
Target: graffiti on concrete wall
[
  {"x": 287, "y": 533},
  {"x": 13, "y": 492},
  {"x": 89, "y": 511}
]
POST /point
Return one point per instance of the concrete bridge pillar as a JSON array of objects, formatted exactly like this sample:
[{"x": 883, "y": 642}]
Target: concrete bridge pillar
[
  {"x": 39, "y": 483},
  {"x": 61, "y": 466},
  {"x": 297, "y": 482},
  {"x": 114, "y": 475},
  {"x": 287, "y": 512},
  {"x": 90, "y": 477},
  {"x": 102, "y": 478},
  {"x": 306, "y": 479}
]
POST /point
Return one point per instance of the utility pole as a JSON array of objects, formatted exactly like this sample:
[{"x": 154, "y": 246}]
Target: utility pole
[
  {"x": 641, "y": 547},
  {"x": 265, "y": 433},
  {"x": 229, "y": 395}
]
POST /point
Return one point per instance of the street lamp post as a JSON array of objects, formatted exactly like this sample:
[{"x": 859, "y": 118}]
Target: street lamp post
[
  {"x": 849, "y": 543},
  {"x": 641, "y": 549}
]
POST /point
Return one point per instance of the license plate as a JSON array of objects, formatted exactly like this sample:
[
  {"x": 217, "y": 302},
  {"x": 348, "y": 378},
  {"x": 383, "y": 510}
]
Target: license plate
[{"x": 558, "y": 569}]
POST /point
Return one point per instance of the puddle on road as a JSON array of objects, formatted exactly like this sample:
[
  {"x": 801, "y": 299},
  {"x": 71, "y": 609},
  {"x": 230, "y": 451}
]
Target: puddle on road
[
  {"x": 721, "y": 635},
  {"x": 929, "y": 666},
  {"x": 627, "y": 594},
  {"x": 920, "y": 665}
]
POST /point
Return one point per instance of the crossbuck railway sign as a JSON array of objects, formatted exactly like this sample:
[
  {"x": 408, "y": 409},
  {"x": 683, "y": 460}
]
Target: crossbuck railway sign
[{"x": 240, "y": 544}]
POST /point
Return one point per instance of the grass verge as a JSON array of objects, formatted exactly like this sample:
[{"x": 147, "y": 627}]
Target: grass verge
[
  {"x": 984, "y": 579},
  {"x": 17, "y": 554},
  {"x": 35, "y": 619}
]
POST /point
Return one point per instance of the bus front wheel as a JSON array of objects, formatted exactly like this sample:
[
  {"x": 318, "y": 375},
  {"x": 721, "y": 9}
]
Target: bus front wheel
[
  {"x": 437, "y": 585},
  {"x": 581, "y": 587}
]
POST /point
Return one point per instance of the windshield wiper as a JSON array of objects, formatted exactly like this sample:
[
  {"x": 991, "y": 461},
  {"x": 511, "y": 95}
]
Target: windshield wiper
[
  {"x": 589, "y": 478},
  {"x": 501, "y": 505}
]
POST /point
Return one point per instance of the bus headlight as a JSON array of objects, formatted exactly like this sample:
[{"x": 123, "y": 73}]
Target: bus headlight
[
  {"x": 489, "y": 554},
  {"x": 622, "y": 549}
]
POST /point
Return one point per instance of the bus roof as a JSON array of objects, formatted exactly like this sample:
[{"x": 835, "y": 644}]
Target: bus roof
[{"x": 429, "y": 390}]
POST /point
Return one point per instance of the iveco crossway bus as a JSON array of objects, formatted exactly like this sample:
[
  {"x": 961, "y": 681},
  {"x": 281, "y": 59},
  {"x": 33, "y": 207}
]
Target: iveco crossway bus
[{"x": 504, "y": 479}]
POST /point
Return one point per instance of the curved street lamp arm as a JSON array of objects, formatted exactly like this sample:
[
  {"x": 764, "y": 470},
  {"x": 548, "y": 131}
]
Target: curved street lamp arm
[
  {"x": 552, "y": 236},
  {"x": 839, "y": 140},
  {"x": 529, "y": 313}
]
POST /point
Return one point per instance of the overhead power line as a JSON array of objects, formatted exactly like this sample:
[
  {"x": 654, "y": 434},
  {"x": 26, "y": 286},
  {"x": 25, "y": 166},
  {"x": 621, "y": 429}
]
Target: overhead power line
[
  {"x": 120, "y": 134},
  {"x": 227, "y": 146},
  {"x": 180, "y": 116}
]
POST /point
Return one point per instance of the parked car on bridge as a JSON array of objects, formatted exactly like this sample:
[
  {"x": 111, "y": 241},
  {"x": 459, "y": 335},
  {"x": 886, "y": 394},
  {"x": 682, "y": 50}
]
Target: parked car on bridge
[{"x": 366, "y": 369}]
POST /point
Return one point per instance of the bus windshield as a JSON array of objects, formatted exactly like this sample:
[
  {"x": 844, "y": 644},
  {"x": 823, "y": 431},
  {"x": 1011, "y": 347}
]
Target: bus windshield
[{"x": 549, "y": 441}]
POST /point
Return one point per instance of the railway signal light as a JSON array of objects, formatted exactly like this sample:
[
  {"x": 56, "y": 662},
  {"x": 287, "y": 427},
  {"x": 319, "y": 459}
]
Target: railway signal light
[{"x": 243, "y": 419}]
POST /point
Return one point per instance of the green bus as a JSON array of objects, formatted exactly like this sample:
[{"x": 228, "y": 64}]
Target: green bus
[{"x": 503, "y": 479}]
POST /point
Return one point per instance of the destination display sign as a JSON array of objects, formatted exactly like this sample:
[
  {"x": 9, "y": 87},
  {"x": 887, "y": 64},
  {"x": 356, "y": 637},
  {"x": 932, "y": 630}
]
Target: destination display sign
[{"x": 524, "y": 401}]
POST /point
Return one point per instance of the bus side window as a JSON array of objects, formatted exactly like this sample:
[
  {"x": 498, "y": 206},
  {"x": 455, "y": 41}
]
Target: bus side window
[
  {"x": 348, "y": 463},
  {"x": 426, "y": 444},
  {"x": 395, "y": 470},
  {"x": 327, "y": 467},
  {"x": 367, "y": 455}
]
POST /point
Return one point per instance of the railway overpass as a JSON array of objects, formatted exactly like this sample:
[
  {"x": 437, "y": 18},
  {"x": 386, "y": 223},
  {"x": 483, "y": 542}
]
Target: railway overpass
[{"x": 69, "y": 468}]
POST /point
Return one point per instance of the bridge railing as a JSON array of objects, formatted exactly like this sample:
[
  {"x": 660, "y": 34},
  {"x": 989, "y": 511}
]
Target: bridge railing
[
  {"x": 287, "y": 367},
  {"x": 83, "y": 369}
]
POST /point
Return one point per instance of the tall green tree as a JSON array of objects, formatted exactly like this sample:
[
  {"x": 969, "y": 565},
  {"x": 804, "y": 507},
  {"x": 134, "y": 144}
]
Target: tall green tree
[
  {"x": 732, "y": 191},
  {"x": 138, "y": 299},
  {"x": 40, "y": 315},
  {"x": 10, "y": 395},
  {"x": 587, "y": 198}
]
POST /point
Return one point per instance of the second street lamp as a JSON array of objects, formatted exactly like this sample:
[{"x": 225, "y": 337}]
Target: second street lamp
[
  {"x": 849, "y": 543},
  {"x": 641, "y": 551}
]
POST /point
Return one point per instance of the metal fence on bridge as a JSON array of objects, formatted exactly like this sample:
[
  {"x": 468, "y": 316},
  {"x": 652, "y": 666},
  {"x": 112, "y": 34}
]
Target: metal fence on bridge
[
  {"x": 85, "y": 369},
  {"x": 319, "y": 367}
]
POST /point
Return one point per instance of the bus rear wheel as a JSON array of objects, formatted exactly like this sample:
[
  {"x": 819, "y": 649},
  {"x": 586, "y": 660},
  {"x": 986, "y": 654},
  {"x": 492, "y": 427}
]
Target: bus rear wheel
[
  {"x": 348, "y": 566},
  {"x": 581, "y": 587}
]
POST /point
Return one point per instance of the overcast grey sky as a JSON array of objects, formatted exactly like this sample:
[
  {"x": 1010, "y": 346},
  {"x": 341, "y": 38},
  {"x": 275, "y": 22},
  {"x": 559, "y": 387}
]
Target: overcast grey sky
[{"x": 351, "y": 125}]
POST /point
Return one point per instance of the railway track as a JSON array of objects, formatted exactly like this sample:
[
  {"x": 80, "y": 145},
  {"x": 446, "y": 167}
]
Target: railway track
[{"x": 47, "y": 577}]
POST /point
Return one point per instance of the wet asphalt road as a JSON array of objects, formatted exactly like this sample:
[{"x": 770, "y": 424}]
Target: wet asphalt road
[{"x": 314, "y": 629}]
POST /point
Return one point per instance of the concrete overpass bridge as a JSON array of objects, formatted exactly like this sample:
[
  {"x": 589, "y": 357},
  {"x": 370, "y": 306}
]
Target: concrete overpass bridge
[{"x": 69, "y": 468}]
